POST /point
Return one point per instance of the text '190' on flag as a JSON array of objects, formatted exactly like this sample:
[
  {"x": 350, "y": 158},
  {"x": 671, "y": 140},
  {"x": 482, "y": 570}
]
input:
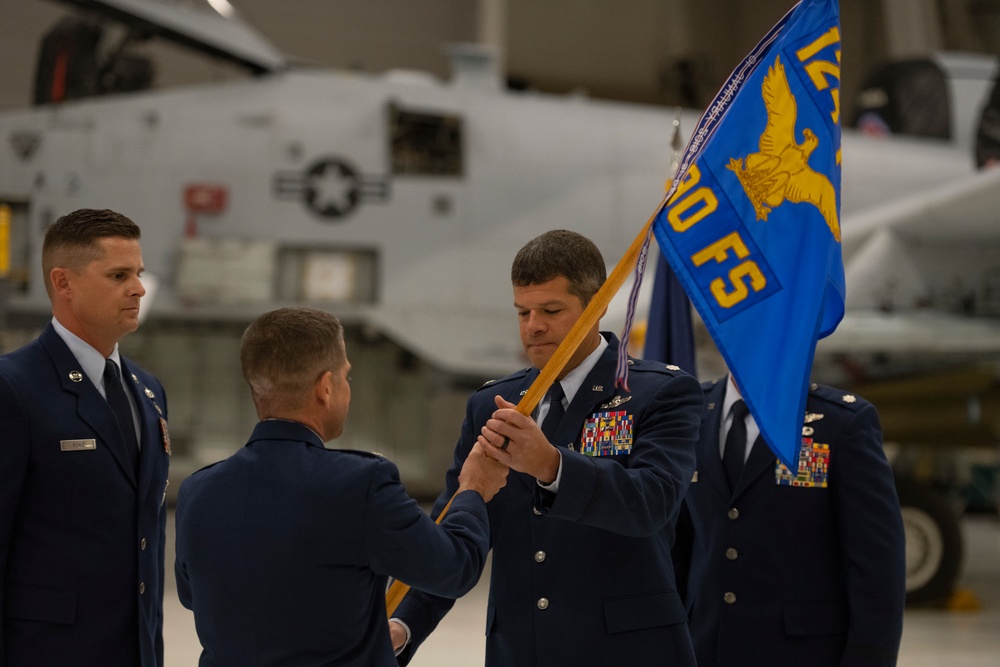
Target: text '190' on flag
[{"x": 752, "y": 229}]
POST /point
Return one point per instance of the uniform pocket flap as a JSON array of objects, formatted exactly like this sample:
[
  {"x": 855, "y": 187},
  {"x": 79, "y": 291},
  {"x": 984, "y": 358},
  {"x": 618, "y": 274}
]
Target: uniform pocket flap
[
  {"x": 813, "y": 619},
  {"x": 644, "y": 611},
  {"x": 33, "y": 603}
]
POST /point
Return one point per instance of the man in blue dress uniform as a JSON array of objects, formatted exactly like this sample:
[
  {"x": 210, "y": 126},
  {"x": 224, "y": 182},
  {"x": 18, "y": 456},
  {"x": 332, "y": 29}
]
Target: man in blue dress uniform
[
  {"x": 783, "y": 567},
  {"x": 83, "y": 465},
  {"x": 284, "y": 549},
  {"x": 582, "y": 533}
]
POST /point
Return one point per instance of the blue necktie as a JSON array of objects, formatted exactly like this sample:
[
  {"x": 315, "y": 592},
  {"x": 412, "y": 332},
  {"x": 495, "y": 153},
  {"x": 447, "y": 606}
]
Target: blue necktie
[
  {"x": 736, "y": 443},
  {"x": 556, "y": 411},
  {"x": 123, "y": 411}
]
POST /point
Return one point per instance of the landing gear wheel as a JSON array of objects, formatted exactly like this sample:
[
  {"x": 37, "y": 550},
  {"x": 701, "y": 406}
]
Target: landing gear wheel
[{"x": 933, "y": 544}]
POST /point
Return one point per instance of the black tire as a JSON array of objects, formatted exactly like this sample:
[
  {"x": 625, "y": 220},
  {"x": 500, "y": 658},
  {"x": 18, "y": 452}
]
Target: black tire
[{"x": 933, "y": 544}]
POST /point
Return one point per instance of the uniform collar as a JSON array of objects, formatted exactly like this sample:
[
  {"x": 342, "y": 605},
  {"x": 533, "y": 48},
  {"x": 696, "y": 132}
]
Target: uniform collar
[
  {"x": 731, "y": 395},
  {"x": 285, "y": 429},
  {"x": 575, "y": 378},
  {"x": 90, "y": 360}
]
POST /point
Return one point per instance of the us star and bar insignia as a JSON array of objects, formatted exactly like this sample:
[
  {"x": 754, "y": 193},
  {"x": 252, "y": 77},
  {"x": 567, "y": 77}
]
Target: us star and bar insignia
[
  {"x": 814, "y": 467},
  {"x": 607, "y": 434}
]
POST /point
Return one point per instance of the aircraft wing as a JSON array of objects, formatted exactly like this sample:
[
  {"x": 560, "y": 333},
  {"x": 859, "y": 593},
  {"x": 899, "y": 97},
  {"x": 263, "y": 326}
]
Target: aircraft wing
[
  {"x": 965, "y": 208},
  {"x": 919, "y": 333},
  {"x": 937, "y": 250},
  {"x": 221, "y": 37}
]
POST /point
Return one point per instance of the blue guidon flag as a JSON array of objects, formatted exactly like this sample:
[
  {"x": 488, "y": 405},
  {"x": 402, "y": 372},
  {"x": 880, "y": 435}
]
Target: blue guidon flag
[{"x": 752, "y": 227}]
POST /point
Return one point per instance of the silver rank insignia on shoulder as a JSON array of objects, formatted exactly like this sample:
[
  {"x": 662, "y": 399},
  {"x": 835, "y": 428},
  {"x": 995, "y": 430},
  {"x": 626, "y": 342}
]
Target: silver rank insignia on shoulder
[
  {"x": 671, "y": 367},
  {"x": 849, "y": 398},
  {"x": 813, "y": 417},
  {"x": 76, "y": 376},
  {"x": 615, "y": 402}
]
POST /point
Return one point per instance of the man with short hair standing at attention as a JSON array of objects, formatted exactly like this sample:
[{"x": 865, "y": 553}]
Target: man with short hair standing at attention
[
  {"x": 782, "y": 567},
  {"x": 83, "y": 465},
  {"x": 581, "y": 535}
]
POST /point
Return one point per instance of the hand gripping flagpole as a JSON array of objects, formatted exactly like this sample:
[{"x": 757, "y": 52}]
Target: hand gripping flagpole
[{"x": 591, "y": 314}]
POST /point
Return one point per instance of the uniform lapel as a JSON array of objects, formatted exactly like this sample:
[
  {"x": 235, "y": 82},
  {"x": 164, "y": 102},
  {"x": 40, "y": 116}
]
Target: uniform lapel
[
  {"x": 760, "y": 460},
  {"x": 709, "y": 459},
  {"x": 149, "y": 427},
  {"x": 91, "y": 407}
]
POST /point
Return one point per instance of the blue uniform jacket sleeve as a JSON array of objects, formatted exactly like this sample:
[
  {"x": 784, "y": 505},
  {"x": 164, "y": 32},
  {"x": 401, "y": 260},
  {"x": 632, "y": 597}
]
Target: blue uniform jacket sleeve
[
  {"x": 13, "y": 468},
  {"x": 405, "y": 543},
  {"x": 872, "y": 541},
  {"x": 422, "y": 611}
]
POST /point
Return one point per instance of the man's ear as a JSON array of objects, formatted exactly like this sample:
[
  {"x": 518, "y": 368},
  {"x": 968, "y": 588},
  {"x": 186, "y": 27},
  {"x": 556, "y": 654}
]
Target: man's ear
[
  {"x": 324, "y": 388},
  {"x": 60, "y": 278}
]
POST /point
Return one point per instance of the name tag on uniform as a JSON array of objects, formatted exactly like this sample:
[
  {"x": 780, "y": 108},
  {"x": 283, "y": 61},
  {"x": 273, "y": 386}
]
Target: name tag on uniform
[{"x": 77, "y": 445}]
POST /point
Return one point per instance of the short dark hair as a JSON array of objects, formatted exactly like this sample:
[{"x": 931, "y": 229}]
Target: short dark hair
[
  {"x": 72, "y": 241},
  {"x": 283, "y": 352},
  {"x": 561, "y": 252}
]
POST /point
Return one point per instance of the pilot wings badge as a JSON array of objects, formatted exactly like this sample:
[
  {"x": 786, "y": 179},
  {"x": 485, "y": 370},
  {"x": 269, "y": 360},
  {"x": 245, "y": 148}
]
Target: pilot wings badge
[{"x": 780, "y": 171}]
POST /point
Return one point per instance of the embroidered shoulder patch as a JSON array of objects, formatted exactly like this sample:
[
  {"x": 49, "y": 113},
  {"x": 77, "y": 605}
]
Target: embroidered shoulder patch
[{"x": 607, "y": 434}]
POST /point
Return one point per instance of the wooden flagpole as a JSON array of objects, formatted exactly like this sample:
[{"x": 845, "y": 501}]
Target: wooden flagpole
[{"x": 591, "y": 314}]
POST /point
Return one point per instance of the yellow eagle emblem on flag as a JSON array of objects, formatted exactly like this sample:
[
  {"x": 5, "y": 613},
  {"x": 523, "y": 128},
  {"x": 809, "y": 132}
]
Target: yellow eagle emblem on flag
[{"x": 780, "y": 171}]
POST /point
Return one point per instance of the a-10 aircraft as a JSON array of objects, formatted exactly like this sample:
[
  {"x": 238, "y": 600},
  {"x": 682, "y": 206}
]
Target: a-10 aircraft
[{"x": 397, "y": 202}]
